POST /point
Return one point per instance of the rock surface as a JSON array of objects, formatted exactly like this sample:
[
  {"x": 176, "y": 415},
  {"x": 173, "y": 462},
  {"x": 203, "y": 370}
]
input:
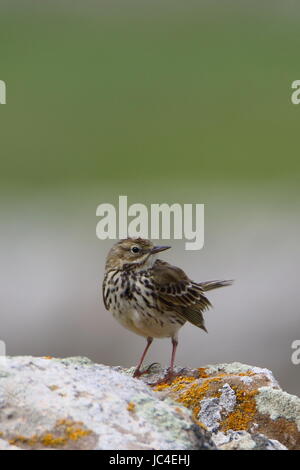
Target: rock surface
[
  {"x": 49, "y": 403},
  {"x": 232, "y": 398},
  {"x": 76, "y": 404},
  {"x": 243, "y": 440}
]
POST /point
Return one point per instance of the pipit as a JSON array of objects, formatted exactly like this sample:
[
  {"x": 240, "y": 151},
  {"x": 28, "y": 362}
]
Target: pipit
[{"x": 151, "y": 297}]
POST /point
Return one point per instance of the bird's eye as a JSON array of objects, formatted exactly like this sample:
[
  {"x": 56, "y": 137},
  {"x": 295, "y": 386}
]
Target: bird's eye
[{"x": 135, "y": 249}]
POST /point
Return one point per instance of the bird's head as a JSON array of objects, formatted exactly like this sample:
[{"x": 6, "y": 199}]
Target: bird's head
[{"x": 132, "y": 253}]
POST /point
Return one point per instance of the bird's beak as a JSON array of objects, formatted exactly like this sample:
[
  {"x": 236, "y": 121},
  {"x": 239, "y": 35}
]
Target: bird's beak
[{"x": 157, "y": 249}]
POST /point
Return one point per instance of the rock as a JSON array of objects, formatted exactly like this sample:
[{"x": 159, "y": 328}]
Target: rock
[
  {"x": 243, "y": 440},
  {"x": 230, "y": 398},
  {"x": 48, "y": 403},
  {"x": 4, "y": 445}
]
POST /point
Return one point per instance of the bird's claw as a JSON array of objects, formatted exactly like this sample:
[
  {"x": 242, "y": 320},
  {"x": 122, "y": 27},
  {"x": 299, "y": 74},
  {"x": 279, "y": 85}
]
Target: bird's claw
[
  {"x": 167, "y": 378},
  {"x": 138, "y": 373}
]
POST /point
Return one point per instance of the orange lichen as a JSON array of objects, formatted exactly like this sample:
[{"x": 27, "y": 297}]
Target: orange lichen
[
  {"x": 19, "y": 440},
  {"x": 202, "y": 372},
  {"x": 131, "y": 406},
  {"x": 177, "y": 384},
  {"x": 48, "y": 440},
  {"x": 53, "y": 387},
  {"x": 74, "y": 430},
  {"x": 77, "y": 433},
  {"x": 64, "y": 431},
  {"x": 248, "y": 373},
  {"x": 189, "y": 391},
  {"x": 47, "y": 357},
  {"x": 193, "y": 395},
  {"x": 244, "y": 412}
]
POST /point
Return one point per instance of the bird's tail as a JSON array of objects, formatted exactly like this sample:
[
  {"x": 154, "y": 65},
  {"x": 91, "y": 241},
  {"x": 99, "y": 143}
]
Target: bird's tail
[{"x": 209, "y": 285}]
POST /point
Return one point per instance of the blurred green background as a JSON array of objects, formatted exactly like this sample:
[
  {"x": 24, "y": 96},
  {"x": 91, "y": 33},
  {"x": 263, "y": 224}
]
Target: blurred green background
[
  {"x": 164, "y": 101},
  {"x": 143, "y": 90}
]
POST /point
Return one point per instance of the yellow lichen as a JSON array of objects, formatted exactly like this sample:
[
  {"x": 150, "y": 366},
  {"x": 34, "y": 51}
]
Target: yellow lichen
[
  {"x": 193, "y": 395},
  {"x": 244, "y": 412},
  {"x": 177, "y": 384},
  {"x": 64, "y": 431},
  {"x": 53, "y": 387},
  {"x": 131, "y": 406},
  {"x": 202, "y": 372},
  {"x": 48, "y": 440},
  {"x": 77, "y": 433},
  {"x": 30, "y": 441},
  {"x": 248, "y": 373},
  {"x": 73, "y": 430},
  {"x": 189, "y": 391}
]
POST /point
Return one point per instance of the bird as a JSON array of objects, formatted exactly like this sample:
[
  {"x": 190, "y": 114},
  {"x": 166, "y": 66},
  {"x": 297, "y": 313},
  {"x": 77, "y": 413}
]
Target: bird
[{"x": 151, "y": 297}]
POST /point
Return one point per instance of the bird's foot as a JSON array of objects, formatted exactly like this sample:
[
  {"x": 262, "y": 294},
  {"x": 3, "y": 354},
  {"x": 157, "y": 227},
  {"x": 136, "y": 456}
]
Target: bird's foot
[
  {"x": 167, "y": 378},
  {"x": 138, "y": 373}
]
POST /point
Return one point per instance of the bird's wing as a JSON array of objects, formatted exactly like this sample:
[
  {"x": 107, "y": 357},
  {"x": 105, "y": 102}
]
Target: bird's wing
[
  {"x": 105, "y": 294},
  {"x": 175, "y": 291}
]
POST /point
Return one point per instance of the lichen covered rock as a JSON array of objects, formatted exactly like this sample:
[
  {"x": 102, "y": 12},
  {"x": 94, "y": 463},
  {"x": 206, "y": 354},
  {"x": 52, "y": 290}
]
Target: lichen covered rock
[
  {"x": 243, "y": 440},
  {"x": 48, "y": 403},
  {"x": 236, "y": 397}
]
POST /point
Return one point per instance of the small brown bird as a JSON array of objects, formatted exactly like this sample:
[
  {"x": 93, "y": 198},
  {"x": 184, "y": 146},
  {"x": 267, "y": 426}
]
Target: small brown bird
[{"x": 151, "y": 297}]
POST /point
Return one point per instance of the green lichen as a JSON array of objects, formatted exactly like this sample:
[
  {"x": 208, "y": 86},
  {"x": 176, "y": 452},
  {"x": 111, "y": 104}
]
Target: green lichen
[{"x": 278, "y": 404}]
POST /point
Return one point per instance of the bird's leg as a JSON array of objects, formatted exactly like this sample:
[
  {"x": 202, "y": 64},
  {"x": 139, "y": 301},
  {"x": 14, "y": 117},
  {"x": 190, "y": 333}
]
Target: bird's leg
[
  {"x": 174, "y": 348},
  {"x": 170, "y": 373},
  {"x": 137, "y": 372}
]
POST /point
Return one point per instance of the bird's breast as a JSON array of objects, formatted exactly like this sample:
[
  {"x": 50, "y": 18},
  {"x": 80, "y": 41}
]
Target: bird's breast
[{"x": 132, "y": 300}]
